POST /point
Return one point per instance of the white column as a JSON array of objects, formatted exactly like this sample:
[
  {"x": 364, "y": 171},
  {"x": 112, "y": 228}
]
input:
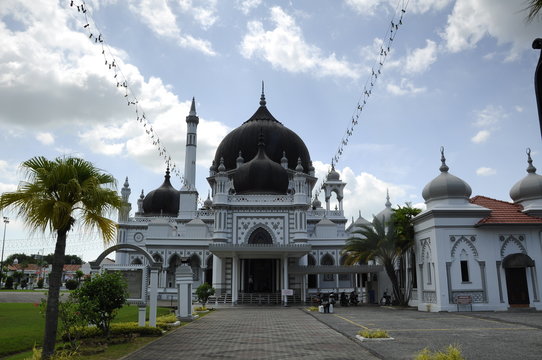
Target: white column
[
  {"x": 235, "y": 280},
  {"x": 217, "y": 275},
  {"x": 285, "y": 277},
  {"x": 154, "y": 297},
  {"x": 141, "y": 315}
]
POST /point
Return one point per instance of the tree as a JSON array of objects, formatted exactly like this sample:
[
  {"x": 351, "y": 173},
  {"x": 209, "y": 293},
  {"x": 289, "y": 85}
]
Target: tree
[
  {"x": 100, "y": 298},
  {"x": 534, "y": 8},
  {"x": 79, "y": 275},
  {"x": 385, "y": 242},
  {"x": 68, "y": 259},
  {"x": 203, "y": 292},
  {"x": 55, "y": 194}
]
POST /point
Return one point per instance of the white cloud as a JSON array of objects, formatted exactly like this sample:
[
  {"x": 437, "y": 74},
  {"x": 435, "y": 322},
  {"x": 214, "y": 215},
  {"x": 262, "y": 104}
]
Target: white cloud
[
  {"x": 488, "y": 119},
  {"x": 285, "y": 48},
  {"x": 421, "y": 59},
  {"x": 485, "y": 171},
  {"x": 45, "y": 138},
  {"x": 518, "y": 108},
  {"x": 246, "y": 6},
  {"x": 504, "y": 20},
  {"x": 405, "y": 87},
  {"x": 481, "y": 136},
  {"x": 205, "y": 15},
  {"x": 159, "y": 17}
]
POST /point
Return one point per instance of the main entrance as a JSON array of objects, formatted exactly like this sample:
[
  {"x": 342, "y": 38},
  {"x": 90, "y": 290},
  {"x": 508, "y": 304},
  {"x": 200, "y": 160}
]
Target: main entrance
[
  {"x": 515, "y": 266},
  {"x": 260, "y": 275}
]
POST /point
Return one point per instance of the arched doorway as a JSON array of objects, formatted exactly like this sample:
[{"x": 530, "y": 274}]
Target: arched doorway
[
  {"x": 312, "y": 279},
  {"x": 260, "y": 275},
  {"x": 209, "y": 271},
  {"x": 515, "y": 266},
  {"x": 195, "y": 263}
]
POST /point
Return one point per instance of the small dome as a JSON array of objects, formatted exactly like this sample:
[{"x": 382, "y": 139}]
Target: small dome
[
  {"x": 208, "y": 203},
  {"x": 260, "y": 175},
  {"x": 386, "y": 214},
  {"x": 530, "y": 187},
  {"x": 446, "y": 185},
  {"x": 316, "y": 204},
  {"x": 163, "y": 201},
  {"x": 333, "y": 175}
]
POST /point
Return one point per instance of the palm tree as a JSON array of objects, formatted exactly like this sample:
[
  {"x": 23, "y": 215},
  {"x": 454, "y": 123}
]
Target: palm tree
[
  {"x": 377, "y": 242},
  {"x": 55, "y": 194},
  {"x": 534, "y": 8}
]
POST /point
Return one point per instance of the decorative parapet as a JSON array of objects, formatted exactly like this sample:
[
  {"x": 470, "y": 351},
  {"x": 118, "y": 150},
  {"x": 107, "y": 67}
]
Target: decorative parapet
[
  {"x": 335, "y": 269},
  {"x": 259, "y": 248},
  {"x": 260, "y": 199},
  {"x": 320, "y": 213}
]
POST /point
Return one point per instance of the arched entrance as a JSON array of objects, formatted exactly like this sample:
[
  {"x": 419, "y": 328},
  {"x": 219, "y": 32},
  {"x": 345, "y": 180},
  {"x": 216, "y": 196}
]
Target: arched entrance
[
  {"x": 209, "y": 271},
  {"x": 515, "y": 266},
  {"x": 260, "y": 275},
  {"x": 312, "y": 279}
]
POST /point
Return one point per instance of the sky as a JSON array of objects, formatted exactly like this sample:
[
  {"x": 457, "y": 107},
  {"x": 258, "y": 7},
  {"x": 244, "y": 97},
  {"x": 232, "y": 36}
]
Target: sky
[{"x": 458, "y": 74}]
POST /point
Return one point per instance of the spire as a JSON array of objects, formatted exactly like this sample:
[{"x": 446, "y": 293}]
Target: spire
[
  {"x": 530, "y": 169},
  {"x": 262, "y": 97},
  {"x": 388, "y": 203},
  {"x": 193, "y": 108},
  {"x": 443, "y": 167}
]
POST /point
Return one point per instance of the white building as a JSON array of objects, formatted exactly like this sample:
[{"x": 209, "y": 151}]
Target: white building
[
  {"x": 258, "y": 231},
  {"x": 480, "y": 249}
]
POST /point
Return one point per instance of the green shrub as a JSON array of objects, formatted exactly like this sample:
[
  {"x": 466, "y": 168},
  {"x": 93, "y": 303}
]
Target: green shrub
[
  {"x": 71, "y": 284},
  {"x": 121, "y": 329},
  {"x": 40, "y": 283},
  {"x": 453, "y": 352},
  {"x": 101, "y": 297},
  {"x": 374, "y": 334},
  {"x": 203, "y": 292}
]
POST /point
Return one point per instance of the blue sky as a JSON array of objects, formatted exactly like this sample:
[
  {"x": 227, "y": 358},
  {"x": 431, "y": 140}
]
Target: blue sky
[{"x": 459, "y": 75}]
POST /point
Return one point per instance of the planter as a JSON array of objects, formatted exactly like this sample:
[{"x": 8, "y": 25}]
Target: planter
[{"x": 361, "y": 338}]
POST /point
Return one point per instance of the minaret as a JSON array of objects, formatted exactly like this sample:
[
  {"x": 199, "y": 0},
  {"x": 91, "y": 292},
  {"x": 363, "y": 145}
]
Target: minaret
[
  {"x": 189, "y": 195},
  {"x": 192, "y": 121}
]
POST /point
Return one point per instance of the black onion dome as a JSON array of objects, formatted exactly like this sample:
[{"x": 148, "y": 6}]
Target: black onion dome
[
  {"x": 278, "y": 140},
  {"x": 163, "y": 201},
  {"x": 260, "y": 175}
]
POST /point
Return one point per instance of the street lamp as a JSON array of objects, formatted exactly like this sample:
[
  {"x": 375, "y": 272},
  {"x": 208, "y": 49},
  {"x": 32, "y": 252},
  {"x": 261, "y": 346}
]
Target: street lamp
[{"x": 6, "y": 222}]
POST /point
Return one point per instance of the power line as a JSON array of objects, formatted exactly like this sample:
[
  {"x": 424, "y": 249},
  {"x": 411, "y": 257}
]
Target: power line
[{"x": 376, "y": 71}]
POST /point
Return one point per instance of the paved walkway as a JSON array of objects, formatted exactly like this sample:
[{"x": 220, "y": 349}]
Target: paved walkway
[{"x": 254, "y": 333}]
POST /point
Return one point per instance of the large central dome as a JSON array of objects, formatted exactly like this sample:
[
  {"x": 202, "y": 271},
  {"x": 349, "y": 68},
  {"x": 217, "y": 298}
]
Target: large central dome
[{"x": 278, "y": 140}]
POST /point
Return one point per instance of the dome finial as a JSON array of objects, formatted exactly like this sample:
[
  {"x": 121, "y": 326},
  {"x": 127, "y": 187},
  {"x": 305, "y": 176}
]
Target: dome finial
[
  {"x": 388, "y": 203},
  {"x": 443, "y": 167},
  {"x": 530, "y": 169},
  {"x": 262, "y": 98}
]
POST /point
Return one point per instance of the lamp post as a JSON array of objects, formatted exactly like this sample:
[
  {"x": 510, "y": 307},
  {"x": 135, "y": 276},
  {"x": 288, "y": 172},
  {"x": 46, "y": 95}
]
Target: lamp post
[{"x": 6, "y": 222}]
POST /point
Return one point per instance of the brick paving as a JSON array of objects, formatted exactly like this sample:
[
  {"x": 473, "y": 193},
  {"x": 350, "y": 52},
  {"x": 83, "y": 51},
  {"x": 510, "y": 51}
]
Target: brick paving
[{"x": 254, "y": 333}]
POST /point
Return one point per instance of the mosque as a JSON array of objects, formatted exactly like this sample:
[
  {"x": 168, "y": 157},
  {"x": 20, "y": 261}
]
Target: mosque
[{"x": 261, "y": 238}]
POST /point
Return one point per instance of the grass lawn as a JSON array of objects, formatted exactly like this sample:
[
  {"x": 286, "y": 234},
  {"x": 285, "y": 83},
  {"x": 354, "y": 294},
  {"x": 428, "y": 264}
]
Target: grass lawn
[{"x": 22, "y": 325}]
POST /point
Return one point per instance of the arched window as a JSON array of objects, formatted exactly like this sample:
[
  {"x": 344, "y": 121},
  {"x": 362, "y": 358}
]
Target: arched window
[
  {"x": 157, "y": 258},
  {"x": 327, "y": 260},
  {"x": 195, "y": 264},
  {"x": 260, "y": 236},
  {"x": 137, "y": 261},
  {"x": 311, "y": 279}
]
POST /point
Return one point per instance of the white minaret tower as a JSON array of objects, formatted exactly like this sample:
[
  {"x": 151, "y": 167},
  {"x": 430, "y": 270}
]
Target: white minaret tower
[
  {"x": 192, "y": 121},
  {"x": 189, "y": 195}
]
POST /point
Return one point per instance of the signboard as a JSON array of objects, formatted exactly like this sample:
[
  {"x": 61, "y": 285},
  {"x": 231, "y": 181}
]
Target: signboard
[
  {"x": 287, "y": 292},
  {"x": 133, "y": 279},
  {"x": 137, "y": 279}
]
